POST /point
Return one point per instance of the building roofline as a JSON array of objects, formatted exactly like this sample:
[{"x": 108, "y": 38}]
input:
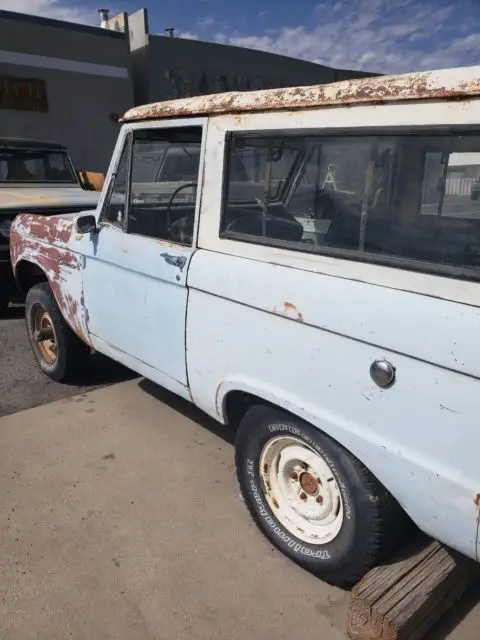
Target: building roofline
[
  {"x": 458, "y": 83},
  {"x": 240, "y": 48},
  {"x": 52, "y": 22}
]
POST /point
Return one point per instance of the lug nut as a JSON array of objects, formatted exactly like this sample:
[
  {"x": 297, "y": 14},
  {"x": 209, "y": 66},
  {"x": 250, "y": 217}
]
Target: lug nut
[
  {"x": 303, "y": 496},
  {"x": 294, "y": 476},
  {"x": 304, "y": 465},
  {"x": 320, "y": 499}
]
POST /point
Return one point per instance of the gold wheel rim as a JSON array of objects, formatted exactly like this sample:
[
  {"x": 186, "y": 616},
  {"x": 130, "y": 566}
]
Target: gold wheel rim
[{"x": 47, "y": 347}]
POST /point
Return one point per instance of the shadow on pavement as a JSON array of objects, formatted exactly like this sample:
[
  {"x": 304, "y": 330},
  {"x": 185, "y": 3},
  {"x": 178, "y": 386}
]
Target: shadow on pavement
[
  {"x": 454, "y": 616},
  {"x": 13, "y": 313},
  {"x": 411, "y": 540},
  {"x": 102, "y": 371},
  {"x": 188, "y": 410}
]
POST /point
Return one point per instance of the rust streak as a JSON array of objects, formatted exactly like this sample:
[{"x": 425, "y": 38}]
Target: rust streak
[
  {"x": 44, "y": 248},
  {"x": 477, "y": 501},
  {"x": 449, "y": 84},
  {"x": 290, "y": 311}
]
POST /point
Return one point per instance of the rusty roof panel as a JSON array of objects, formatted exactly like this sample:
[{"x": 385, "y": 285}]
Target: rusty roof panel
[{"x": 458, "y": 83}]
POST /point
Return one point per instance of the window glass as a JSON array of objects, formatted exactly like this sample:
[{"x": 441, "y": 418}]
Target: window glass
[
  {"x": 165, "y": 169},
  {"x": 42, "y": 166},
  {"x": 415, "y": 197},
  {"x": 115, "y": 209}
]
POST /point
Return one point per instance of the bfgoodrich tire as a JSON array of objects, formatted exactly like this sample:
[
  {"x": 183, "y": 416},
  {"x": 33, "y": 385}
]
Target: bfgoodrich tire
[
  {"x": 312, "y": 499},
  {"x": 63, "y": 356}
]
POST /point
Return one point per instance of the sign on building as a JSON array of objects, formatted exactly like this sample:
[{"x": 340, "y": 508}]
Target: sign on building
[{"x": 23, "y": 94}]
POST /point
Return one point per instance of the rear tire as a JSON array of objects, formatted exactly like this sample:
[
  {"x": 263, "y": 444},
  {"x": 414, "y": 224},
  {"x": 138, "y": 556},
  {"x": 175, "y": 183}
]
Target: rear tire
[
  {"x": 312, "y": 499},
  {"x": 64, "y": 356}
]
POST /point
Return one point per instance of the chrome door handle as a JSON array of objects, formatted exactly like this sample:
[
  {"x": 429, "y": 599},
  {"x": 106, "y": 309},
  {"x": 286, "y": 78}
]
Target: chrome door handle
[{"x": 175, "y": 261}]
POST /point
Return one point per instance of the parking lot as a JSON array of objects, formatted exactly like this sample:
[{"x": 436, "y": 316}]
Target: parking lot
[{"x": 121, "y": 517}]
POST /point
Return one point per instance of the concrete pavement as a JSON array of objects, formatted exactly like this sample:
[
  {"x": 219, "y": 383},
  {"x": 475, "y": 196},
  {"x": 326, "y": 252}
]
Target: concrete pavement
[{"x": 121, "y": 518}]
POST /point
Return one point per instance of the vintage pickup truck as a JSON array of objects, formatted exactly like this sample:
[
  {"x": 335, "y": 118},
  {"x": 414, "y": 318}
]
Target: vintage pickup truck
[
  {"x": 303, "y": 265},
  {"x": 36, "y": 177}
]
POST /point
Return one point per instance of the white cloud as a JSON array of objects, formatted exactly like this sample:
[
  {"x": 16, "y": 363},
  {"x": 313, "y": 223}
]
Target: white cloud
[
  {"x": 188, "y": 35},
  {"x": 374, "y": 35},
  {"x": 52, "y": 9},
  {"x": 205, "y": 21}
]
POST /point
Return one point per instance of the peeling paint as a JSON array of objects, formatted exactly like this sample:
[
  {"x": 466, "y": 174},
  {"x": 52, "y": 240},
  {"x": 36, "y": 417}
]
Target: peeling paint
[
  {"x": 43, "y": 241},
  {"x": 448, "y": 84},
  {"x": 289, "y": 310}
]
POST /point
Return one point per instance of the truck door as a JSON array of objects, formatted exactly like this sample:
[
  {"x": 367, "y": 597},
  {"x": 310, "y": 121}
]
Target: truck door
[{"x": 136, "y": 264}]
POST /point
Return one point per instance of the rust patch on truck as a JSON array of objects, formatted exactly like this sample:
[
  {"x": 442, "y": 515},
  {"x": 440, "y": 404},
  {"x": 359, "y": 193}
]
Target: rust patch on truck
[
  {"x": 50, "y": 229},
  {"x": 477, "y": 500},
  {"x": 43, "y": 242},
  {"x": 448, "y": 84},
  {"x": 288, "y": 310}
]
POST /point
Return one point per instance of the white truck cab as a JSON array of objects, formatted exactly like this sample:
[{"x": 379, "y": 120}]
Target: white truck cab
[{"x": 304, "y": 264}]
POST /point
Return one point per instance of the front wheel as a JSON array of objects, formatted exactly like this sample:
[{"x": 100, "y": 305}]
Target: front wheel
[
  {"x": 313, "y": 500},
  {"x": 58, "y": 351}
]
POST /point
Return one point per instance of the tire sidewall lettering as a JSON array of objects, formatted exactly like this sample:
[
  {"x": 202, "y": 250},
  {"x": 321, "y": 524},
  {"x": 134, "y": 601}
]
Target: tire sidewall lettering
[{"x": 292, "y": 543}]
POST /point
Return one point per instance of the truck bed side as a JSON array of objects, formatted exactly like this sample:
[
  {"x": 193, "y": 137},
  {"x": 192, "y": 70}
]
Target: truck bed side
[{"x": 305, "y": 342}]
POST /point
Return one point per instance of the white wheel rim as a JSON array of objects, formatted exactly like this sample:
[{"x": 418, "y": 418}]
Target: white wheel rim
[{"x": 301, "y": 490}]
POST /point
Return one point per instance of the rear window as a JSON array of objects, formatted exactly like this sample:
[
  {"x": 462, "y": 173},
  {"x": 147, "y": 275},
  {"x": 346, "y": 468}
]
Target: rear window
[
  {"x": 32, "y": 166},
  {"x": 410, "y": 199}
]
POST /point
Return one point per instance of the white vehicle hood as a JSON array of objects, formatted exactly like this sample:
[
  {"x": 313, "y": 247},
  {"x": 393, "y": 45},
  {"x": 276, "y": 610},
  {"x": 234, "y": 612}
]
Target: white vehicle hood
[{"x": 23, "y": 199}]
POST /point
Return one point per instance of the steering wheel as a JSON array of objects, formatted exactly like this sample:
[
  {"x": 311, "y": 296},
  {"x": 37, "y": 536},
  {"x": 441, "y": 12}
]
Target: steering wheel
[{"x": 174, "y": 195}]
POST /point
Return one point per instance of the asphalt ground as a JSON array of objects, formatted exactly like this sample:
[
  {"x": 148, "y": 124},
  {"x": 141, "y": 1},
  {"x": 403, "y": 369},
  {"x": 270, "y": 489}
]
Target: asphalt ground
[{"x": 22, "y": 383}]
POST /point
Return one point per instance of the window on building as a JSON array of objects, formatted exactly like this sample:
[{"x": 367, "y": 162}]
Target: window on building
[{"x": 412, "y": 197}]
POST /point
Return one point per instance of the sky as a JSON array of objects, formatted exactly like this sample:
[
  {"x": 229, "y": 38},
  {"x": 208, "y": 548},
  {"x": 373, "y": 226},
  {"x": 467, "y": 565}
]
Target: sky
[{"x": 385, "y": 36}]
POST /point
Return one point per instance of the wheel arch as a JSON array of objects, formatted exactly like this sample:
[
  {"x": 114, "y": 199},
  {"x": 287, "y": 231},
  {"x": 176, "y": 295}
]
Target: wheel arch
[
  {"x": 28, "y": 273},
  {"x": 235, "y": 397}
]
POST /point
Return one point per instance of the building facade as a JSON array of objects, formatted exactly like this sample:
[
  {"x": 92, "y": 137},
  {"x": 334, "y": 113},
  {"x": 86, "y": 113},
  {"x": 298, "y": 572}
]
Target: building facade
[
  {"x": 63, "y": 82},
  {"x": 68, "y": 83}
]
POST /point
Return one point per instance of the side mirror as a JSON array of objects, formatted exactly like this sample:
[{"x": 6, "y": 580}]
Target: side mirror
[
  {"x": 91, "y": 181},
  {"x": 86, "y": 224}
]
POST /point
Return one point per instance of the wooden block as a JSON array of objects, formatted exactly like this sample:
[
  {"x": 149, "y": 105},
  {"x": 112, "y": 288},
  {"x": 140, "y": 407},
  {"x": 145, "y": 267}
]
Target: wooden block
[{"x": 403, "y": 600}]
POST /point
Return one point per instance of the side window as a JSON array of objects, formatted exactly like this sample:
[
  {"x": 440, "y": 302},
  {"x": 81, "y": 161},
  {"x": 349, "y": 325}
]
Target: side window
[
  {"x": 115, "y": 208},
  {"x": 405, "y": 197},
  {"x": 165, "y": 170}
]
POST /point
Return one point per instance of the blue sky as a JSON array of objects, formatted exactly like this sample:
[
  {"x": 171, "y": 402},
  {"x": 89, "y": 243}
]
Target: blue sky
[{"x": 388, "y": 36}]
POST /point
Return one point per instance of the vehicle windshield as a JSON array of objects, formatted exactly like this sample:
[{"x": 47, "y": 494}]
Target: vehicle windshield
[{"x": 35, "y": 166}]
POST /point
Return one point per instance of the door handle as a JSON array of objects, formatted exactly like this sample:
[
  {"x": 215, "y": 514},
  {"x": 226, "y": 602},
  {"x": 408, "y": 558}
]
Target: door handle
[{"x": 175, "y": 261}]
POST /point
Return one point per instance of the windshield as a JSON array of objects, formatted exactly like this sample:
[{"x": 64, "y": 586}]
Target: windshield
[{"x": 35, "y": 166}]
